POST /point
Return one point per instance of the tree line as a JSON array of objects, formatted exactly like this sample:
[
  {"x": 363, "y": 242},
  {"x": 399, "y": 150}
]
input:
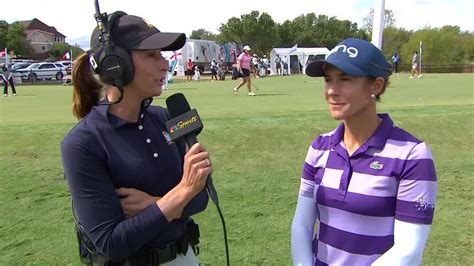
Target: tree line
[{"x": 445, "y": 45}]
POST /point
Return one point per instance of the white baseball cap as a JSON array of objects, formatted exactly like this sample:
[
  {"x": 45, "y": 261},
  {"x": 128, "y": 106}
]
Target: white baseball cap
[{"x": 246, "y": 47}]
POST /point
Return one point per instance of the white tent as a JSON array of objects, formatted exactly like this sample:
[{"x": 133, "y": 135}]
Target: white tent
[{"x": 297, "y": 58}]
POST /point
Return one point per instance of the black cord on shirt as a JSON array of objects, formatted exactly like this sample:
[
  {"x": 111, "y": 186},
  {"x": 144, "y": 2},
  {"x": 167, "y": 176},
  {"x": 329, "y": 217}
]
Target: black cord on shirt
[{"x": 211, "y": 191}]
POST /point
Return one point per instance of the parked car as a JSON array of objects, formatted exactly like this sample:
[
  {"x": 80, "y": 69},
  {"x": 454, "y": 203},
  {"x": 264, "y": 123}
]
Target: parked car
[
  {"x": 42, "y": 71},
  {"x": 17, "y": 66},
  {"x": 67, "y": 66}
]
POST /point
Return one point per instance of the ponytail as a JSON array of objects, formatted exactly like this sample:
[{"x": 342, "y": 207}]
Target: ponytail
[{"x": 86, "y": 87}]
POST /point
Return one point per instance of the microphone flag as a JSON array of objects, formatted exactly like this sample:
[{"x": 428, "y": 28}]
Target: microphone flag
[{"x": 184, "y": 124}]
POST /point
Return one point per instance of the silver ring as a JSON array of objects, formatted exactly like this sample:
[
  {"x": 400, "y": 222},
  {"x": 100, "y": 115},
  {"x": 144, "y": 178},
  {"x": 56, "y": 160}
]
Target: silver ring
[{"x": 208, "y": 162}]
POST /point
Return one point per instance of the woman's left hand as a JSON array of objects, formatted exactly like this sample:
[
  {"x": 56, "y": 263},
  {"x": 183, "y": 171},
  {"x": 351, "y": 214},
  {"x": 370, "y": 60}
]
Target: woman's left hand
[{"x": 134, "y": 201}]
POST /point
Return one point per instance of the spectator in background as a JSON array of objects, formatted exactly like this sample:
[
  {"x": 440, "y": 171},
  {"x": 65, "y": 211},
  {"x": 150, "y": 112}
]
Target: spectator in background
[
  {"x": 7, "y": 77},
  {"x": 243, "y": 66},
  {"x": 221, "y": 69},
  {"x": 189, "y": 69},
  {"x": 265, "y": 61},
  {"x": 233, "y": 56},
  {"x": 214, "y": 67},
  {"x": 255, "y": 65},
  {"x": 284, "y": 62},
  {"x": 278, "y": 65},
  {"x": 370, "y": 184},
  {"x": 395, "y": 61},
  {"x": 197, "y": 74}
]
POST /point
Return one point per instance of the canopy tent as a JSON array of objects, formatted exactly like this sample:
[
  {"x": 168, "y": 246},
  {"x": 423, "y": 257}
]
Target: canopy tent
[{"x": 297, "y": 58}]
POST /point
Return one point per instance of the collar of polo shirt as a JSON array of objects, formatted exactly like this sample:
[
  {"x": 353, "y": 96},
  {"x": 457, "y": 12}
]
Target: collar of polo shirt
[
  {"x": 377, "y": 140},
  {"x": 117, "y": 121}
]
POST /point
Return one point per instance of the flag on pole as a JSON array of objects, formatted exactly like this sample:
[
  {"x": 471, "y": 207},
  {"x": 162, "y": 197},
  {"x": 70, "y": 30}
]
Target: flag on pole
[
  {"x": 421, "y": 56},
  {"x": 4, "y": 54},
  {"x": 293, "y": 49},
  {"x": 176, "y": 55},
  {"x": 67, "y": 56}
]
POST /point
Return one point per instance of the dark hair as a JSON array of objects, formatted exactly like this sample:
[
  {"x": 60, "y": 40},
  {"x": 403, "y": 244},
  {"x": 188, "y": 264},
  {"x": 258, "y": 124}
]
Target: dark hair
[{"x": 86, "y": 87}]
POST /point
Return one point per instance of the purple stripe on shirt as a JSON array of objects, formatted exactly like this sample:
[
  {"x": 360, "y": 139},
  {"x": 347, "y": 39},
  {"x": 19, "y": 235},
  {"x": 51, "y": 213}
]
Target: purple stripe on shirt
[
  {"x": 335, "y": 161},
  {"x": 322, "y": 143},
  {"x": 402, "y": 135},
  {"x": 419, "y": 170},
  {"x": 357, "y": 203},
  {"x": 312, "y": 173},
  {"x": 308, "y": 172},
  {"x": 320, "y": 263},
  {"x": 414, "y": 212},
  {"x": 360, "y": 224},
  {"x": 354, "y": 243}
]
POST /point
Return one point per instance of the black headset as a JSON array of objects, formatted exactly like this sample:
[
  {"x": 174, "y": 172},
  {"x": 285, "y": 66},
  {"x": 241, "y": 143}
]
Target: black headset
[{"x": 114, "y": 64}]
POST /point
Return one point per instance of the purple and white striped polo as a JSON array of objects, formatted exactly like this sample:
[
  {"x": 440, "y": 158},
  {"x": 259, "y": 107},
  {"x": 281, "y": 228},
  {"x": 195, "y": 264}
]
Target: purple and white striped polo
[{"x": 391, "y": 176}]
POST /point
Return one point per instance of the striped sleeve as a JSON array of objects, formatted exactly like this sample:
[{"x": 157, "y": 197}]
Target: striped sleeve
[
  {"x": 313, "y": 167},
  {"x": 307, "y": 175},
  {"x": 417, "y": 189}
]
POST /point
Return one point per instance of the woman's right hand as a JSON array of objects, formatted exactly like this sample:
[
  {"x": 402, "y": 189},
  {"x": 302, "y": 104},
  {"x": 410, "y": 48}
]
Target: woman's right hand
[{"x": 197, "y": 167}]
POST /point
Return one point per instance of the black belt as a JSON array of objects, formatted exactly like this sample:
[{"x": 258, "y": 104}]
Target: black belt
[{"x": 157, "y": 256}]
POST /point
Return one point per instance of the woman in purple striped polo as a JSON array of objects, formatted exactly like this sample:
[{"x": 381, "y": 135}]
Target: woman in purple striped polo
[{"x": 370, "y": 185}]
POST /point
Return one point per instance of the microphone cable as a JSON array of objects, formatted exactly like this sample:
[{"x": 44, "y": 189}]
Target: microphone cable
[{"x": 211, "y": 191}]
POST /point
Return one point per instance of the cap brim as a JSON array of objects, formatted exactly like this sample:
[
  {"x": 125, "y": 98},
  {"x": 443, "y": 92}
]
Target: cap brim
[
  {"x": 316, "y": 68},
  {"x": 166, "y": 41}
]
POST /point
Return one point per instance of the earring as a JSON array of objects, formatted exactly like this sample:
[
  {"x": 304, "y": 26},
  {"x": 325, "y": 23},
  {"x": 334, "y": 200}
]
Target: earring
[{"x": 372, "y": 95}]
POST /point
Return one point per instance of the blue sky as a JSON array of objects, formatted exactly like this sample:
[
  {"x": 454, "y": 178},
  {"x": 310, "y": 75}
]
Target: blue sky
[{"x": 76, "y": 20}]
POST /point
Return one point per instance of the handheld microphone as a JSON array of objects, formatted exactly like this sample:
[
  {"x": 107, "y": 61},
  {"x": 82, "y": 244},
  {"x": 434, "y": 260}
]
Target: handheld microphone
[{"x": 186, "y": 124}]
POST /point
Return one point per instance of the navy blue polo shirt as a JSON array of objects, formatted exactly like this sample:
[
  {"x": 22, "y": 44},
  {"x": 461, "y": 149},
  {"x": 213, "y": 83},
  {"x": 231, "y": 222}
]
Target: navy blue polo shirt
[{"x": 102, "y": 153}]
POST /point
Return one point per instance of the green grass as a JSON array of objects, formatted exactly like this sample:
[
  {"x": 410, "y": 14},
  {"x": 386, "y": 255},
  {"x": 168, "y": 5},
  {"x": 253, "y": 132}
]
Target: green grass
[{"x": 257, "y": 145}]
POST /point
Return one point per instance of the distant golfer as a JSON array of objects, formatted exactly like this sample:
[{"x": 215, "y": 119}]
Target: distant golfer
[
  {"x": 243, "y": 66},
  {"x": 414, "y": 65},
  {"x": 370, "y": 184},
  {"x": 7, "y": 77}
]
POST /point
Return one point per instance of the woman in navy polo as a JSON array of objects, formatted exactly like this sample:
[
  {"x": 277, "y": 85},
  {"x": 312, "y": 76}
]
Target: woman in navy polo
[
  {"x": 370, "y": 185},
  {"x": 133, "y": 190}
]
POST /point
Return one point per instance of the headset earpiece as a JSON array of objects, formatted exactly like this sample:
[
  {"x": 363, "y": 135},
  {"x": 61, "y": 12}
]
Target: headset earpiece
[{"x": 116, "y": 66}]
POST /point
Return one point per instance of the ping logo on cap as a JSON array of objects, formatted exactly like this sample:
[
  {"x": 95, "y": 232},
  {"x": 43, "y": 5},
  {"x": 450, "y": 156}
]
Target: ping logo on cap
[{"x": 352, "y": 51}]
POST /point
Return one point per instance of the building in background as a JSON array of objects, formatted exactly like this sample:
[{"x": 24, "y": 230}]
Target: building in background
[{"x": 41, "y": 36}]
